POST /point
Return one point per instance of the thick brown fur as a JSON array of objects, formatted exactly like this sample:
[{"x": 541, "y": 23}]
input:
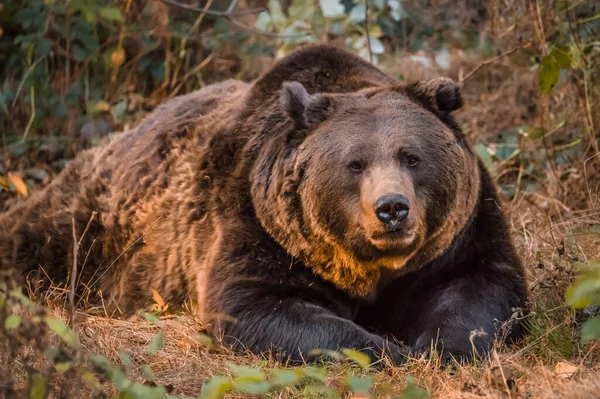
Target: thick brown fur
[{"x": 256, "y": 201}]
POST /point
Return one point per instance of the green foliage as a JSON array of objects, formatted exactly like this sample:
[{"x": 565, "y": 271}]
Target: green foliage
[
  {"x": 88, "y": 370},
  {"x": 155, "y": 344},
  {"x": 307, "y": 21},
  {"x": 585, "y": 293}
]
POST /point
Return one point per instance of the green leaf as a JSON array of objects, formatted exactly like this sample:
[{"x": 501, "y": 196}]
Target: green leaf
[
  {"x": 583, "y": 292},
  {"x": 125, "y": 359},
  {"x": 155, "y": 343},
  {"x": 319, "y": 390},
  {"x": 205, "y": 339},
  {"x": 252, "y": 387},
  {"x": 79, "y": 53},
  {"x": 89, "y": 378},
  {"x": 412, "y": 391},
  {"x": 37, "y": 386},
  {"x": 43, "y": 47},
  {"x": 18, "y": 294},
  {"x": 536, "y": 132},
  {"x": 150, "y": 317},
  {"x": 216, "y": 388},
  {"x": 101, "y": 362},
  {"x": 485, "y": 156},
  {"x": 591, "y": 329},
  {"x": 110, "y": 13},
  {"x": 377, "y": 46},
  {"x": 148, "y": 372},
  {"x": 247, "y": 372},
  {"x": 357, "y": 14},
  {"x": 221, "y": 26},
  {"x": 12, "y": 322},
  {"x": 120, "y": 380},
  {"x": 19, "y": 147},
  {"x": 379, "y": 4},
  {"x": 314, "y": 373},
  {"x": 62, "y": 367},
  {"x": 301, "y": 10},
  {"x": 504, "y": 152},
  {"x": 396, "y": 10},
  {"x": 62, "y": 331},
  {"x": 332, "y": 8},
  {"x": 362, "y": 359},
  {"x": 286, "y": 378},
  {"x": 263, "y": 22},
  {"x": 548, "y": 76},
  {"x": 141, "y": 391},
  {"x": 359, "y": 384},
  {"x": 562, "y": 57},
  {"x": 278, "y": 17}
]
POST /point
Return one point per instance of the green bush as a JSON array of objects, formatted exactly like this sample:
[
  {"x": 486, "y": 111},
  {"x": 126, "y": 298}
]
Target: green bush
[
  {"x": 67, "y": 368},
  {"x": 584, "y": 294}
]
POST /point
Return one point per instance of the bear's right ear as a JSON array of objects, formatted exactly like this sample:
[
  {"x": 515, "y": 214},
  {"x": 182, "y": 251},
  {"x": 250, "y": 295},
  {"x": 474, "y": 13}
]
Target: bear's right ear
[
  {"x": 304, "y": 109},
  {"x": 441, "y": 95}
]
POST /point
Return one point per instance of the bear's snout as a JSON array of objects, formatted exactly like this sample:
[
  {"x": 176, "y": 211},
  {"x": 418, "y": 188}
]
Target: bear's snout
[{"x": 392, "y": 209}]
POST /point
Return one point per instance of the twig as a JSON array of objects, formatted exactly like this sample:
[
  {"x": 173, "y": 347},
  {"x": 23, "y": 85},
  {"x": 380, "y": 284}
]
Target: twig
[
  {"x": 125, "y": 250},
  {"x": 22, "y": 82},
  {"x": 73, "y": 273},
  {"x": 587, "y": 185},
  {"x": 68, "y": 51},
  {"x": 194, "y": 71},
  {"x": 367, "y": 29},
  {"x": 226, "y": 14},
  {"x": 231, "y": 17},
  {"x": 200, "y": 17},
  {"x": 492, "y": 60},
  {"x": 76, "y": 245},
  {"x": 497, "y": 358},
  {"x": 32, "y": 117}
]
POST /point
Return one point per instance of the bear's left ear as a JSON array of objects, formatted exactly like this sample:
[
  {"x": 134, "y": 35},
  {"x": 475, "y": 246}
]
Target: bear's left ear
[
  {"x": 441, "y": 95},
  {"x": 304, "y": 109}
]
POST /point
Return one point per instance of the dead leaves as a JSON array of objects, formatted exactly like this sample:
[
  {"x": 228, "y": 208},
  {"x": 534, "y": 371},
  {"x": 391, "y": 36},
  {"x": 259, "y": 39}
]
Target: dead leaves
[
  {"x": 503, "y": 379},
  {"x": 565, "y": 370},
  {"x": 159, "y": 306},
  {"x": 14, "y": 182}
]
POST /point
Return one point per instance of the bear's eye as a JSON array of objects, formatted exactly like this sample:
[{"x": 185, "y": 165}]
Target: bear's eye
[
  {"x": 412, "y": 161},
  {"x": 355, "y": 166}
]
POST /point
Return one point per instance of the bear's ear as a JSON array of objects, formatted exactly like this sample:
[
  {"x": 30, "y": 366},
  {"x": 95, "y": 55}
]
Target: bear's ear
[
  {"x": 441, "y": 95},
  {"x": 304, "y": 109}
]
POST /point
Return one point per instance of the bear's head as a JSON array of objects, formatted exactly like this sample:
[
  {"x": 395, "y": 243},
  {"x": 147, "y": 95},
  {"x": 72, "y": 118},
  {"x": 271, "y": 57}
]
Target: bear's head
[{"x": 367, "y": 184}]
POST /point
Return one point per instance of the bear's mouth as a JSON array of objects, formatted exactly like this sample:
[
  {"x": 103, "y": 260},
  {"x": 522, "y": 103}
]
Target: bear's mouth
[{"x": 395, "y": 236}]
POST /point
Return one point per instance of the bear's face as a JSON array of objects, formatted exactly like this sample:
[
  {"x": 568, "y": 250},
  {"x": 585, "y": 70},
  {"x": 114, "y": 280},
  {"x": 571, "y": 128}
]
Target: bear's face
[
  {"x": 372, "y": 180},
  {"x": 381, "y": 173}
]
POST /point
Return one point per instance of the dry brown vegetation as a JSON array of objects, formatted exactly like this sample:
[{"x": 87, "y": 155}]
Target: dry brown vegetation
[{"x": 545, "y": 157}]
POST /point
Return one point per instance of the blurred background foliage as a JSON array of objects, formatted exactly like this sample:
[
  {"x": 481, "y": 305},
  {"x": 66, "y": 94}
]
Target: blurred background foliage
[{"x": 76, "y": 70}]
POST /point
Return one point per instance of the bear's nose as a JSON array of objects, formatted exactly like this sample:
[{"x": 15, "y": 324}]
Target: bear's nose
[{"x": 392, "y": 208}]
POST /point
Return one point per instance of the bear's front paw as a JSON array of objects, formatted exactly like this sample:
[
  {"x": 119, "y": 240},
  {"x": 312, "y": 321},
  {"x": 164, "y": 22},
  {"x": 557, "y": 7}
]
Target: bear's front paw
[
  {"x": 447, "y": 356},
  {"x": 394, "y": 354}
]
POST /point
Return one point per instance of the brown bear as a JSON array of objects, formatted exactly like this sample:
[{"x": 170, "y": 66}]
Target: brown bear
[{"x": 323, "y": 206}]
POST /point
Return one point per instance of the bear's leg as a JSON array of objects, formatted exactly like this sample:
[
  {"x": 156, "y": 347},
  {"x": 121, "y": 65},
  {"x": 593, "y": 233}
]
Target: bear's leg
[
  {"x": 293, "y": 327},
  {"x": 458, "y": 315},
  {"x": 463, "y": 317}
]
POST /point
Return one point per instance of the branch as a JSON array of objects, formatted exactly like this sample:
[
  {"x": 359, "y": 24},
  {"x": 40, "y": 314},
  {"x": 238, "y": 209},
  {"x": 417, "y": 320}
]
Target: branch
[
  {"x": 491, "y": 60},
  {"x": 226, "y": 14},
  {"x": 76, "y": 245},
  {"x": 231, "y": 17},
  {"x": 367, "y": 29}
]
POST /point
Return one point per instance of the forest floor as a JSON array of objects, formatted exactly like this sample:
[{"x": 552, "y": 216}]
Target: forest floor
[{"x": 554, "y": 229}]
